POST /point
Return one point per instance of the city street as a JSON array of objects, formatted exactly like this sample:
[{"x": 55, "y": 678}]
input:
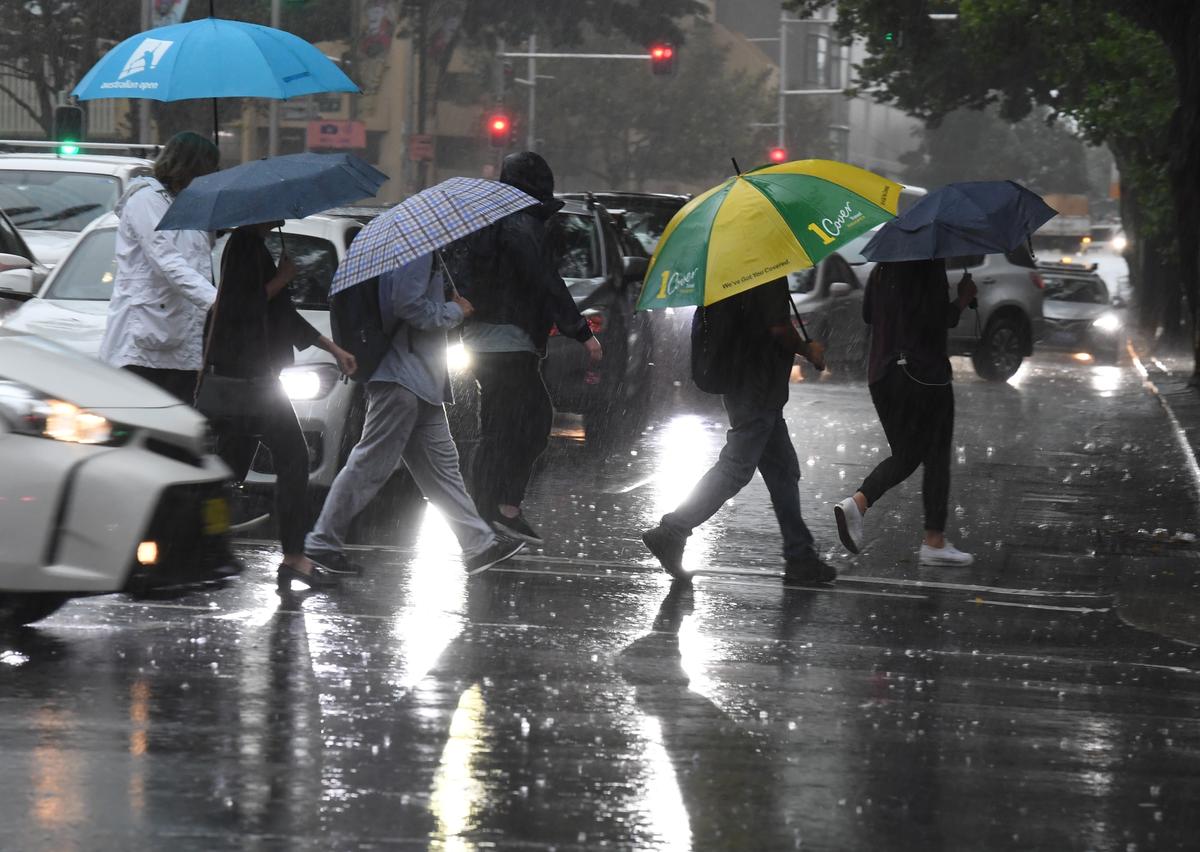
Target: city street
[{"x": 572, "y": 699}]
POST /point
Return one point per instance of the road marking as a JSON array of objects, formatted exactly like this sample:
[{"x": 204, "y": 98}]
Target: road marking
[
  {"x": 1023, "y": 605},
  {"x": 1176, "y": 427}
]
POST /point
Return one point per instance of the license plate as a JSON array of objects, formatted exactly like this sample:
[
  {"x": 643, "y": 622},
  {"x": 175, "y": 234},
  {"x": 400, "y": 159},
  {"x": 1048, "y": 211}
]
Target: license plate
[{"x": 216, "y": 516}]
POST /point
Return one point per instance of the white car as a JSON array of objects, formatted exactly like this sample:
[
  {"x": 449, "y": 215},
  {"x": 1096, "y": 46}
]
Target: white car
[
  {"x": 52, "y": 198},
  {"x": 108, "y": 486}
]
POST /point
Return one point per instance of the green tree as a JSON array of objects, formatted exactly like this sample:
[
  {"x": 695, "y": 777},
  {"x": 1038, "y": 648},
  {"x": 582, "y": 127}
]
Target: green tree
[
  {"x": 639, "y": 131},
  {"x": 1124, "y": 71}
]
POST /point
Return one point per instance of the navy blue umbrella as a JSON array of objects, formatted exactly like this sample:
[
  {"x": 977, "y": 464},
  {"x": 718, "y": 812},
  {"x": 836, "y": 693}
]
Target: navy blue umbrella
[
  {"x": 969, "y": 218},
  {"x": 287, "y": 187}
]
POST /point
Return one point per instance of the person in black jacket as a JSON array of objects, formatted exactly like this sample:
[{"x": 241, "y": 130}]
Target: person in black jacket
[
  {"x": 518, "y": 296},
  {"x": 254, "y": 328}
]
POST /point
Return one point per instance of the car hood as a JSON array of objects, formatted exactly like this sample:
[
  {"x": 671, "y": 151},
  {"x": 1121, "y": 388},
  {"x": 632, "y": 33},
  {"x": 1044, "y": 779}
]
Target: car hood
[
  {"x": 119, "y": 395},
  {"x": 75, "y": 323},
  {"x": 1055, "y": 310},
  {"x": 49, "y": 247}
]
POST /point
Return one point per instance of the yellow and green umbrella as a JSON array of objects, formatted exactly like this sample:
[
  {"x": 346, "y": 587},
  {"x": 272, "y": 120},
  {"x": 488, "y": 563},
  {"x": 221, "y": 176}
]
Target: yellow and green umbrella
[{"x": 760, "y": 225}]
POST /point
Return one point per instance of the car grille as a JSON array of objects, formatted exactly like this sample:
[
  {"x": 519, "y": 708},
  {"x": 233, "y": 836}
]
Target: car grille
[{"x": 189, "y": 549}]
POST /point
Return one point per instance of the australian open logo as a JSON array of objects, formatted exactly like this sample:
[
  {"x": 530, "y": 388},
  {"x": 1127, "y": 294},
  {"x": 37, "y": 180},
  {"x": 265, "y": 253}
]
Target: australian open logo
[
  {"x": 145, "y": 57},
  {"x": 671, "y": 283},
  {"x": 830, "y": 229}
]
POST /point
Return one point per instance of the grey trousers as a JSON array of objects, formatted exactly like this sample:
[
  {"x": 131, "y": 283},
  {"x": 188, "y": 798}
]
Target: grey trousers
[{"x": 400, "y": 426}]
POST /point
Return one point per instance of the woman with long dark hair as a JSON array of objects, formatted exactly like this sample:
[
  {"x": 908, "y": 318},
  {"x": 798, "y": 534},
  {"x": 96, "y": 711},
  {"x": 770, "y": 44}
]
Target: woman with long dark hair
[
  {"x": 255, "y": 328},
  {"x": 163, "y": 286},
  {"x": 909, "y": 373}
]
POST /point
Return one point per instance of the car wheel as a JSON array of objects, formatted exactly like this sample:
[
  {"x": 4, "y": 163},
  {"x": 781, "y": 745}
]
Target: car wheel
[
  {"x": 1001, "y": 350},
  {"x": 17, "y": 609}
]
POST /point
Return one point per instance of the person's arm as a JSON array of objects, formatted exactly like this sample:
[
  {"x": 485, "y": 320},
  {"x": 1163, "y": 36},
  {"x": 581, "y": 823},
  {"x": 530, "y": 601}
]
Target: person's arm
[
  {"x": 347, "y": 363},
  {"x": 775, "y": 306},
  {"x": 534, "y": 262},
  {"x": 411, "y": 305},
  {"x": 868, "y": 300},
  {"x": 159, "y": 247},
  {"x": 966, "y": 294}
]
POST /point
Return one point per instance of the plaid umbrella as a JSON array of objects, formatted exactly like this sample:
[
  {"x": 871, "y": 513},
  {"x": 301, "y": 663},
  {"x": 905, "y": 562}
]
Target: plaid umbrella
[{"x": 427, "y": 221}]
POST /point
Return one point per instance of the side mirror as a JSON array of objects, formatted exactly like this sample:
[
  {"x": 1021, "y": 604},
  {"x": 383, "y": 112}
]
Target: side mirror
[
  {"x": 634, "y": 267},
  {"x": 14, "y": 261},
  {"x": 838, "y": 289}
]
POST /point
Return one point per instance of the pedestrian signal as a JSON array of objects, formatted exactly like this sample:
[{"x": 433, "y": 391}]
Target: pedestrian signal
[
  {"x": 662, "y": 59},
  {"x": 68, "y": 129}
]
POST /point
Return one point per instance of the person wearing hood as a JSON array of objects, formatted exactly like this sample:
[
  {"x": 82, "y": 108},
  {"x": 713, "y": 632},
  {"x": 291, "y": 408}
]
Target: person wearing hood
[
  {"x": 510, "y": 274},
  {"x": 163, "y": 286}
]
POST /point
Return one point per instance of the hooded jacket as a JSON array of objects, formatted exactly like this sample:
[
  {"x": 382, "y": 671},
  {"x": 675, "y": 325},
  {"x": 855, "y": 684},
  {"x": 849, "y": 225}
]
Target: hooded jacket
[
  {"x": 163, "y": 287},
  {"x": 508, "y": 271}
]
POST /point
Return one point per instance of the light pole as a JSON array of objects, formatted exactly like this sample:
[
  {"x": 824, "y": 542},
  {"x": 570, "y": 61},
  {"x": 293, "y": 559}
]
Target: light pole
[
  {"x": 144, "y": 103},
  {"x": 273, "y": 115}
]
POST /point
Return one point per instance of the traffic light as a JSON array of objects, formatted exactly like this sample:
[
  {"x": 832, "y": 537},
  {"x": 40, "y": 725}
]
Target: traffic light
[
  {"x": 662, "y": 59},
  {"x": 499, "y": 128},
  {"x": 68, "y": 129},
  {"x": 778, "y": 154}
]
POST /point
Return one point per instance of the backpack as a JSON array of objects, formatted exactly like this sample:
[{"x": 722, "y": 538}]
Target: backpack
[
  {"x": 357, "y": 326},
  {"x": 716, "y": 361}
]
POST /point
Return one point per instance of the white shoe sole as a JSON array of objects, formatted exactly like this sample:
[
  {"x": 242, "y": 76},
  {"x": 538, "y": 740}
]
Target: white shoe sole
[
  {"x": 843, "y": 526},
  {"x": 472, "y": 572},
  {"x": 500, "y": 526}
]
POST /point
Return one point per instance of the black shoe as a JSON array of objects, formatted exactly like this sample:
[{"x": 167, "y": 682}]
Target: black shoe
[
  {"x": 809, "y": 572},
  {"x": 517, "y": 528},
  {"x": 503, "y": 548},
  {"x": 333, "y": 562},
  {"x": 318, "y": 579},
  {"x": 667, "y": 547}
]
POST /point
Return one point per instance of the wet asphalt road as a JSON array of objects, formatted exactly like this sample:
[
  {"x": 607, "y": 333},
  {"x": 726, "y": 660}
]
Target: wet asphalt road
[{"x": 575, "y": 700}]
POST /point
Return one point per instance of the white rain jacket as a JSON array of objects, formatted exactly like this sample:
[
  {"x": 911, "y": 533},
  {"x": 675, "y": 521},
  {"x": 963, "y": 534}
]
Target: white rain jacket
[{"x": 163, "y": 288}]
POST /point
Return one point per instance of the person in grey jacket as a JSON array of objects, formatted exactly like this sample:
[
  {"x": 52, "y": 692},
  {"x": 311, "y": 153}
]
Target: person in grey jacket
[{"x": 406, "y": 422}]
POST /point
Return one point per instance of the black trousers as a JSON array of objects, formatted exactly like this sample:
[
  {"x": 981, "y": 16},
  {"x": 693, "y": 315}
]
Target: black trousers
[
  {"x": 515, "y": 416},
  {"x": 274, "y": 423},
  {"x": 919, "y": 423},
  {"x": 181, "y": 384}
]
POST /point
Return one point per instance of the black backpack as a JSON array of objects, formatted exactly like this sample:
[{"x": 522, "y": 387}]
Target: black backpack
[
  {"x": 716, "y": 331},
  {"x": 357, "y": 326}
]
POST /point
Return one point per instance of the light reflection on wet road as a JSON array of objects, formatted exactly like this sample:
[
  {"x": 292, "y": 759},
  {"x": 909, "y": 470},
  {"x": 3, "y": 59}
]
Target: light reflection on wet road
[{"x": 575, "y": 700}]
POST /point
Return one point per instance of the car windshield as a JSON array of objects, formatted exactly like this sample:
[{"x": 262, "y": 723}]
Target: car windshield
[
  {"x": 56, "y": 201},
  {"x": 1089, "y": 291},
  {"x": 316, "y": 262},
  {"x": 89, "y": 270}
]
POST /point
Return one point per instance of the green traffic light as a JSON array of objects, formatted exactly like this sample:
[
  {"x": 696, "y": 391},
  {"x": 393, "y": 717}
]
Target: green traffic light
[{"x": 889, "y": 36}]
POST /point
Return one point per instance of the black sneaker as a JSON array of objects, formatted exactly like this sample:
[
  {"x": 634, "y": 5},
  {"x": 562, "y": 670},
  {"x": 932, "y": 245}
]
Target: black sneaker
[
  {"x": 334, "y": 562},
  {"x": 503, "y": 548},
  {"x": 517, "y": 528},
  {"x": 809, "y": 572},
  {"x": 667, "y": 547}
]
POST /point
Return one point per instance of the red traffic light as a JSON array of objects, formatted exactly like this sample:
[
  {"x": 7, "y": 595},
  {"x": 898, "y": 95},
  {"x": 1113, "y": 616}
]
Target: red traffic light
[
  {"x": 662, "y": 58},
  {"x": 778, "y": 155},
  {"x": 498, "y": 123},
  {"x": 499, "y": 127}
]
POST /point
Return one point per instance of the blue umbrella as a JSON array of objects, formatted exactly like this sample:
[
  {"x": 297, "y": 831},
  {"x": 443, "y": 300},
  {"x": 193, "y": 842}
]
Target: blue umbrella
[
  {"x": 287, "y": 187},
  {"x": 212, "y": 58},
  {"x": 959, "y": 219}
]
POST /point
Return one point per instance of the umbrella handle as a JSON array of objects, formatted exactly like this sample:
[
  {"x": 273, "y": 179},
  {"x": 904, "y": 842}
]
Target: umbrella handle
[
  {"x": 282, "y": 243},
  {"x": 799, "y": 320}
]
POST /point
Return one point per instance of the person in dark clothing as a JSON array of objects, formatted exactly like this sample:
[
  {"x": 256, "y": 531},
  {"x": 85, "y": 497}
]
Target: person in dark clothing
[
  {"x": 511, "y": 277},
  {"x": 762, "y": 356},
  {"x": 910, "y": 382},
  {"x": 254, "y": 327}
]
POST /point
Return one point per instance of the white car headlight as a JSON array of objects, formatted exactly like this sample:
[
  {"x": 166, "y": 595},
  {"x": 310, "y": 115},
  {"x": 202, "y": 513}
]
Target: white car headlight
[
  {"x": 458, "y": 357},
  {"x": 309, "y": 381},
  {"x": 32, "y": 413},
  {"x": 1109, "y": 322},
  {"x": 1119, "y": 243}
]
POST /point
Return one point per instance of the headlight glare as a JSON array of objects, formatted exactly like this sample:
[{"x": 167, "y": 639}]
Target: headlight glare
[
  {"x": 309, "y": 381},
  {"x": 458, "y": 357},
  {"x": 33, "y": 413},
  {"x": 1109, "y": 322}
]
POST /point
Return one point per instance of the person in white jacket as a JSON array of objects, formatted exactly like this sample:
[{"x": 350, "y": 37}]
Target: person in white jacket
[{"x": 164, "y": 284}]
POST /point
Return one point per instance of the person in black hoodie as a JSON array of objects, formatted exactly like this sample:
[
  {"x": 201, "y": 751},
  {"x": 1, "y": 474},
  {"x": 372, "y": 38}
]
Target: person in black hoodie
[
  {"x": 254, "y": 328},
  {"x": 511, "y": 277}
]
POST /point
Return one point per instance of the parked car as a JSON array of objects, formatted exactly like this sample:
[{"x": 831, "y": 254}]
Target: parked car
[
  {"x": 998, "y": 335},
  {"x": 109, "y": 484},
  {"x": 1081, "y": 314},
  {"x": 52, "y": 198},
  {"x": 21, "y": 274},
  {"x": 645, "y": 214}
]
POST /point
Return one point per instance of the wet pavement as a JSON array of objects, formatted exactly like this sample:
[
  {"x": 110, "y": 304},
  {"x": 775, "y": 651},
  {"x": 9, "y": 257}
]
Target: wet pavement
[{"x": 576, "y": 700}]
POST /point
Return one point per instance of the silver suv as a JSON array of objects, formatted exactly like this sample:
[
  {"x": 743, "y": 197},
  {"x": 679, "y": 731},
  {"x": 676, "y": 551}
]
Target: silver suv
[{"x": 998, "y": 335}]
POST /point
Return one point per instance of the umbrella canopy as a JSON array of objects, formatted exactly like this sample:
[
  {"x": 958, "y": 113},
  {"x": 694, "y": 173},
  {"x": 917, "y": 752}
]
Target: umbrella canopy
[
  {"x": 760, "y": 225},
  {"x": 288, "y": 187},
  {"x": 212, "y": 58},
  {"x": 429, "y": 220},
  {"x": 959, "y": 219}
]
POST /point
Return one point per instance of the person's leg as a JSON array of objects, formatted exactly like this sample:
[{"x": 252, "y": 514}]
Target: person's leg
[
  {"x": 531, "y": 418},
  {"x": 900, "y": 404},
  {"x": 391, "y": 415},
  {"x": 289, "y": 456},
  {"x": 494, "y": 407},
  {"x": 432, "y": 459},
  {"x": 935, "y": 485},
  {"x": 181, "y": 384},
  {"x": 780, "y": 471}
]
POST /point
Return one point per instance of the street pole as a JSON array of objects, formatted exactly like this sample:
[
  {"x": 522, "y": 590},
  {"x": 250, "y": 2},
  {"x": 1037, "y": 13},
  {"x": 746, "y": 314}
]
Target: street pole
[
  {"x": 422, "y": 23},
  {"x": 273, "y": 120},
  {"x": 144, "y": 103},
  {"x": 530, "y": 134},
  {"x": 782, "y": 135}
]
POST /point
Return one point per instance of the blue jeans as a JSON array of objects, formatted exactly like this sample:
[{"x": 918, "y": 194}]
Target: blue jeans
[{"x": 757, "y": 440}]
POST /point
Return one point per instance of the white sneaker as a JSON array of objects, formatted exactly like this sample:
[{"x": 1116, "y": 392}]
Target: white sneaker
[
  {"x": 946, "y": 557},
  {"x": 849, "y": 524}
]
